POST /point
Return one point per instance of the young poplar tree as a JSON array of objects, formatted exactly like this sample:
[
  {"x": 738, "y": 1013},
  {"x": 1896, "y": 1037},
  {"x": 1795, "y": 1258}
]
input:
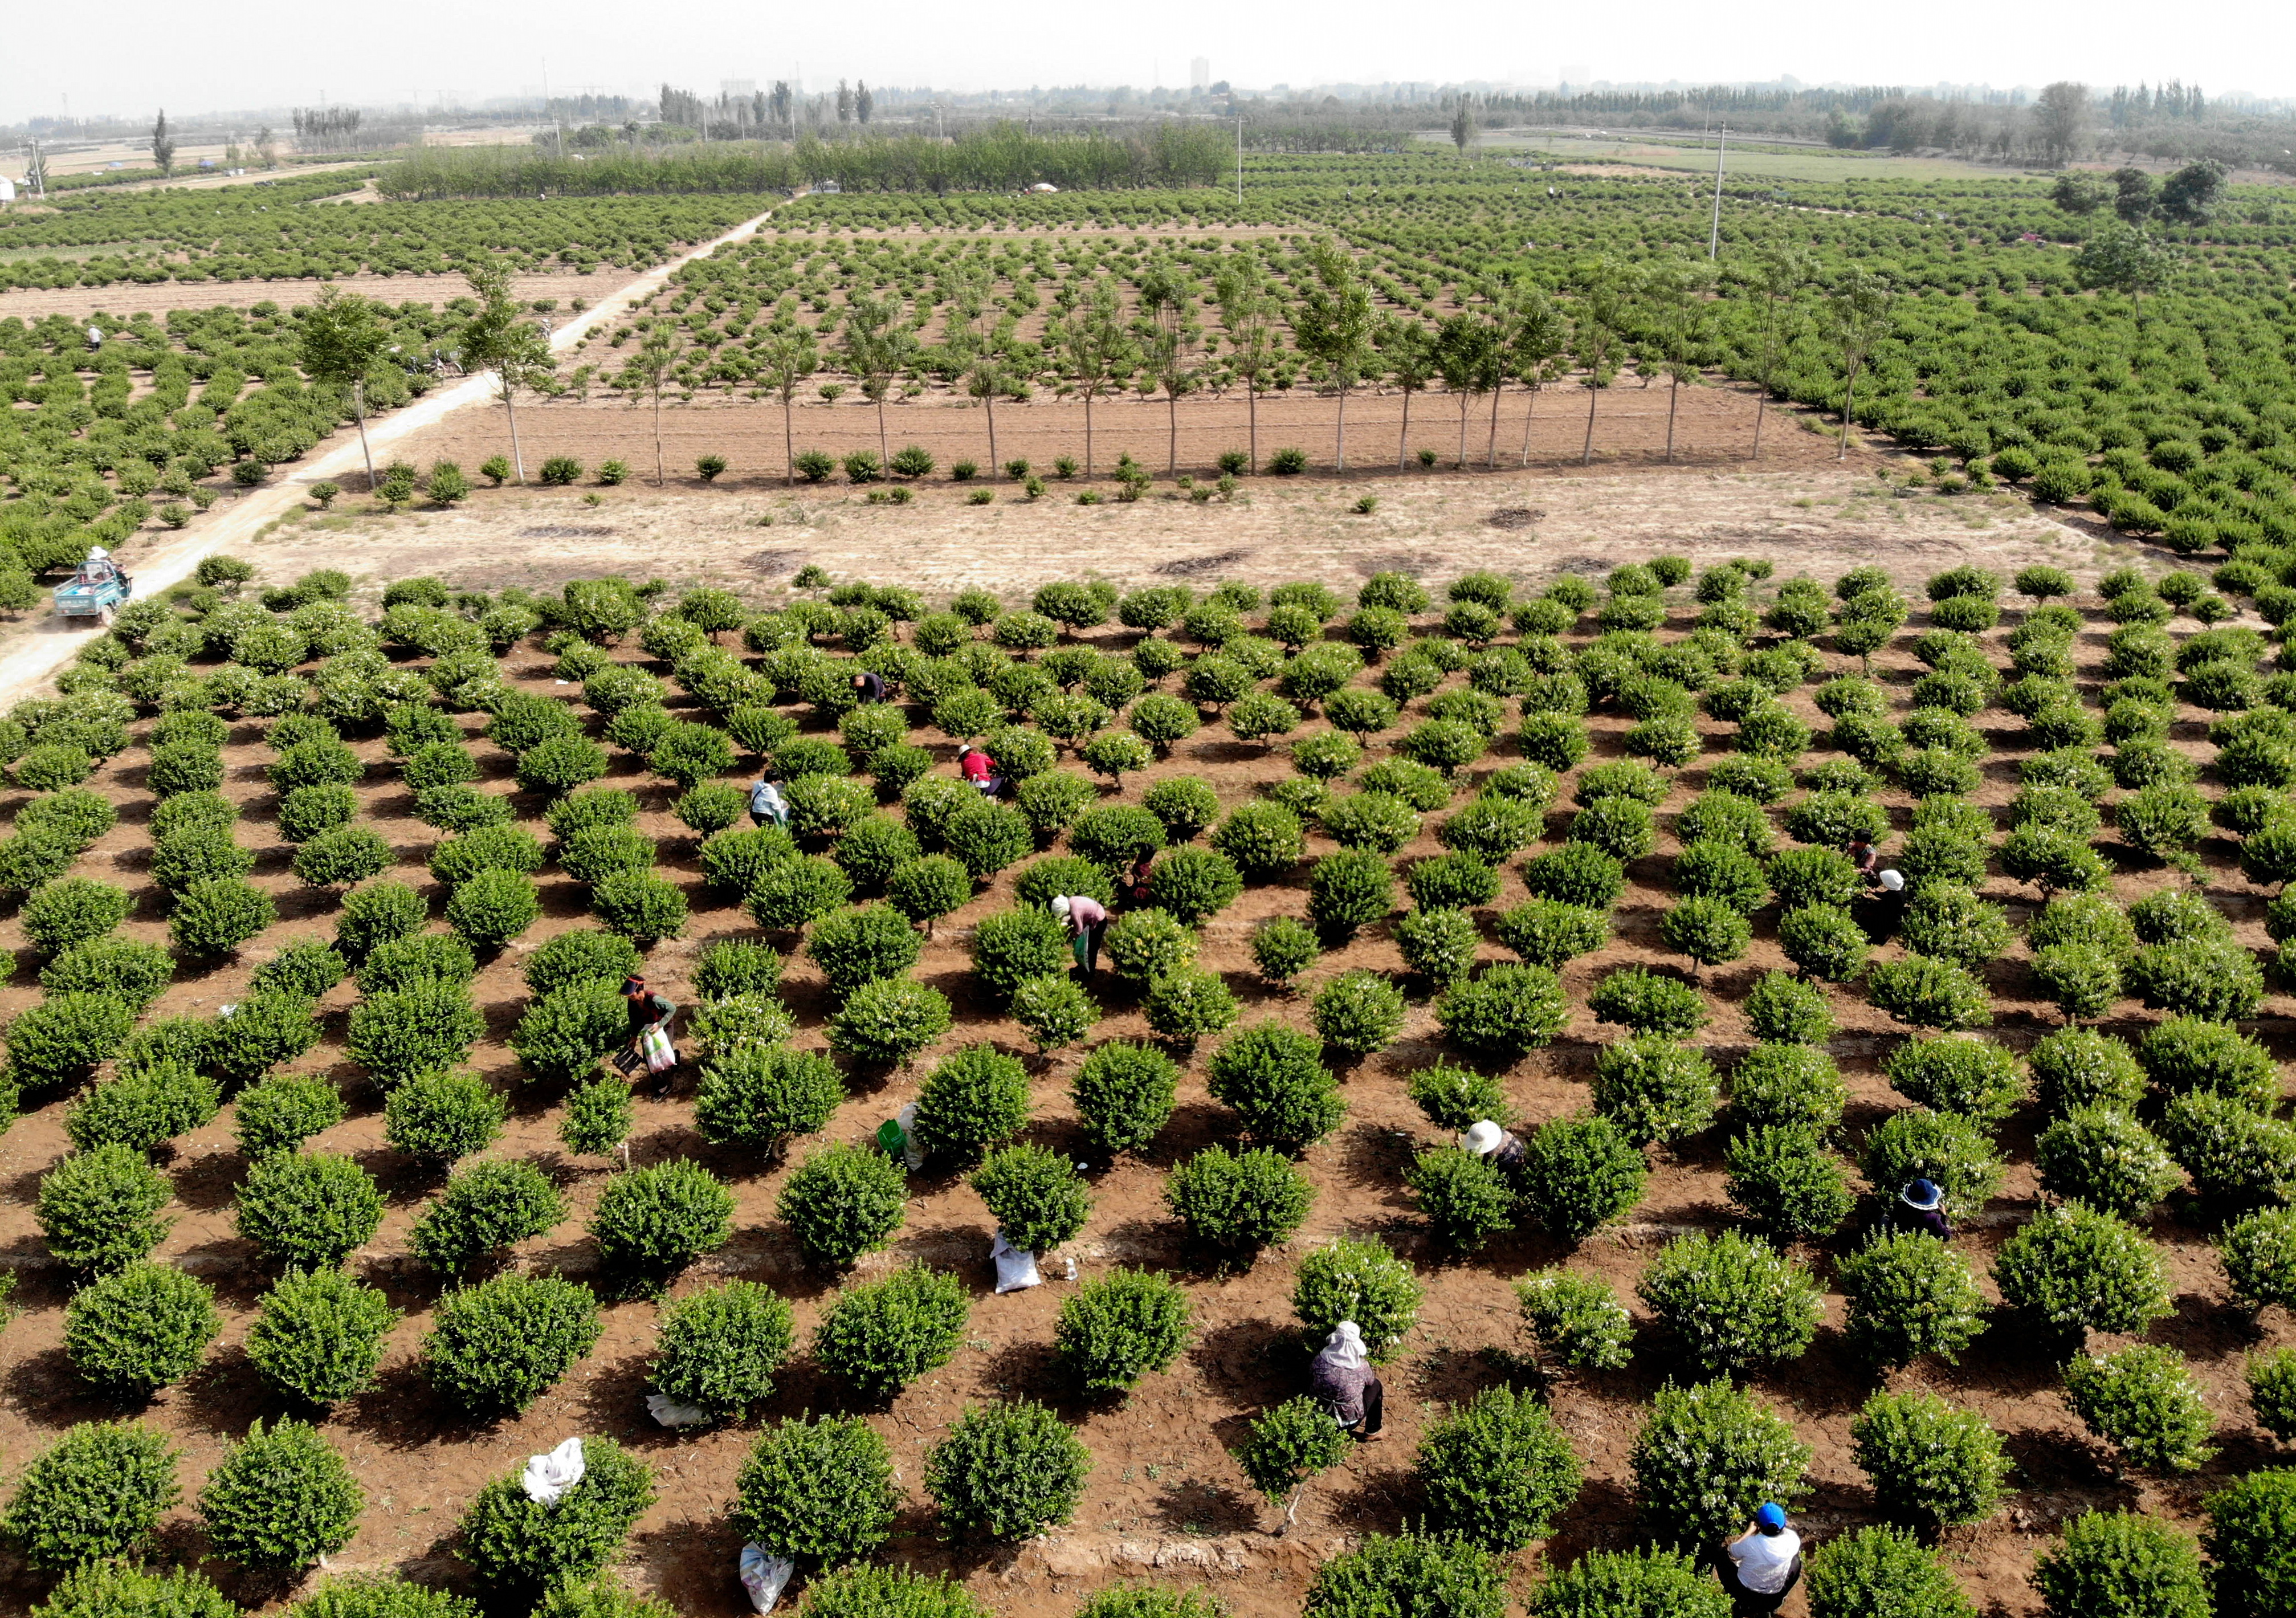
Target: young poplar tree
[
  {"x": 1779, "y": 282},
  {"x": 1537, "y": 340},
  {"x": 1858, "y": 316},
  {"x": 1334, "y": 322},
  {"x": 498, "y": 339},
  {"x": 1408, "y": 347},
  {"x": 786, "y": 363},
  {"x": 1093, "y": 347},
  {"x": 1594, "y": 337},
  {"x": 1170, "y": 332},
  {"x": 341, "y": 338},
  {"x": 1248, "y": 315},
  {"x": 647, "y": 371},
  {"x": 1469, "y": 355}
]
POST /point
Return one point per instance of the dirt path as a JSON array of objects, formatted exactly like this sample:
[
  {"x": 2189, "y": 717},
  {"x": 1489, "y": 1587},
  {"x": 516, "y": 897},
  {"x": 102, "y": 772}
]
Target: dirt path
[{"x": 33, "y": 658}]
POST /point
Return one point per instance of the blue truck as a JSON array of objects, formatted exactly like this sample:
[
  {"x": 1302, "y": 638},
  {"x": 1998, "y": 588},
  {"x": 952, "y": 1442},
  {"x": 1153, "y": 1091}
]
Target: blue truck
[{"x": 96, "y": 592}]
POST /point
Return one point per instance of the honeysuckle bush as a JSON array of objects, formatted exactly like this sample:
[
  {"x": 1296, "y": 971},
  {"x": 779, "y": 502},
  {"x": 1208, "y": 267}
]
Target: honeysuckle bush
[
  {"x": 1732, "y": 1302},
  {"x": 1706, "y": 1456},
  {"x": 1930, "y": 1465},
  {"x": 2073, "y": 1271},
  {"x": 1497, "y": 1471},
  {"x": 1909, "y": 1295},
  {"x": 2144, "y": 1403}
]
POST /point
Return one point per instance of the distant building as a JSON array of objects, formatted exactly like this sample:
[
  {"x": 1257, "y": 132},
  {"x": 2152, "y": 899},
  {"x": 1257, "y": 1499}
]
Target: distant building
[
  {"x": 733, "y": 89},
  {"x": 1200, "y": 73}
]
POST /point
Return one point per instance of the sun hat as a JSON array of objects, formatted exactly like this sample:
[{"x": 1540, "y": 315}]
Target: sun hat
[
  {"x": 1922, "y": 1193},
  {"x": 1772, "y": 1516},
  {"x": 1483, "y": 1139},
  {"x": 1061, "y": 906},
  {"x": 1895, "y": 880}
]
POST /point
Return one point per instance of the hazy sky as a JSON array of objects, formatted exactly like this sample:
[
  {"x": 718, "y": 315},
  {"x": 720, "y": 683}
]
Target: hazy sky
[{"x": 142, "y": 55}]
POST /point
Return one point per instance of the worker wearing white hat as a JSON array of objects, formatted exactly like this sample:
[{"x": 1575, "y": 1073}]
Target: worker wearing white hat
[{"x": 1502, "y": 1147}]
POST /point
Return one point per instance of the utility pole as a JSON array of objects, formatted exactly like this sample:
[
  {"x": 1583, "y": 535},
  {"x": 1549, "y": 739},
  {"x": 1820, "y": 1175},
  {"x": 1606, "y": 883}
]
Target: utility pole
[
  {"x": 1239, "y": 160},
  {"x": 1714, "y": 233},
  {"x": 558, "y": 128}
]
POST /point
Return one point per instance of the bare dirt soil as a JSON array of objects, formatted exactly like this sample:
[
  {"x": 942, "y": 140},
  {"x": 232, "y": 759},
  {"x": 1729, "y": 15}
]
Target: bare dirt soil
[
  {"x": 36, "y": 303},
  {"x": 1165, "y": 1498}
]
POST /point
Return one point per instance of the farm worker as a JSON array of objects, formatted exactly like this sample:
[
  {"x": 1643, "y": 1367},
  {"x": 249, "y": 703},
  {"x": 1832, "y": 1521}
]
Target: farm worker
[
  {"x": 1862, "y": 856},
  {"x": 1341, "y": 1376},
  {"x": 766, "y": 803},
  {"x": 95, "y": 337},
  {"x": 1764, "y": 1563},
  {"x": 645, "y": 1011},
  {"x": 1892, "y": 881},
  {"x": 975, "y": 766},
  {"x": 870, "y": 688},
  {"x": 1921, "y": 1207},
  {"x": 1502, "y": 1147},
  {"x": 1135, "y": 886},
  {"x": 1086, "y": 919}
]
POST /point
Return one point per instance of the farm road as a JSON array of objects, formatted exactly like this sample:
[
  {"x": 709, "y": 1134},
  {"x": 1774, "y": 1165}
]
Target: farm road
[{"x": 37, "y": 655}]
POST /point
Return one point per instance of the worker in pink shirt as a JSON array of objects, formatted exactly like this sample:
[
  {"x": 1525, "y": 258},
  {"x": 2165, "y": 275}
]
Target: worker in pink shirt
[{"x": 1086, "y": 919}]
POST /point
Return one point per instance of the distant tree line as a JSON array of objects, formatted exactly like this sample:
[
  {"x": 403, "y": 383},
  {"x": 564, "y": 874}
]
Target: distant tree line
[{"x": 1002, "y": 157}]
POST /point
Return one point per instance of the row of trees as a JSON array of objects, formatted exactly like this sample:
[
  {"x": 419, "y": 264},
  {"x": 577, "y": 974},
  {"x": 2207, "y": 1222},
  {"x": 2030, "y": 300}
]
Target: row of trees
[{"x": 1001, "y": 157}]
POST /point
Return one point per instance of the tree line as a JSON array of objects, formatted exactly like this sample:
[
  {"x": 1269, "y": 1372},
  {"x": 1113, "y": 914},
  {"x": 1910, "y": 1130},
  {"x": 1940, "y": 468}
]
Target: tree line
[{"x": 1002, "y": 157}]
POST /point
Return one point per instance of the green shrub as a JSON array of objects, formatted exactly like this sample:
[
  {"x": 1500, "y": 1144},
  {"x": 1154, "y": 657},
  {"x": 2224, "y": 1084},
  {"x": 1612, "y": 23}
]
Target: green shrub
[
  {"x": 1359, "y": 1281},
  {"x": 72, "y": 910},
  {"x": 282, "y": 1499},
  {"x": 564, "y": 1032},
  {"x": 1654, "y": 1089},
  {"x": 1882, "y": 1570},
  {"x": 417, "y": 956},
  {"x": 308, "y": 1208},
  {"x": 1359, "y": 1012},
  {"x": 842, "y": 1201},
  {"x": 1273, "y": 1077},
  {"x": 140, "y": 1328},
  {"x": 1823, "y": 941},
  {"x": 1732, "y": 1302},
  {"x": 758, "y": 1096},
  {"x": 871, "y": 1592},
  {"x": 1466, "y": 1198},
  {"x": 439, "y": 1118},
  {"x": 889, "y": 1021},
  {"x": 98, "y": 1208},
  {"x": 1497, "y": 1471},
  {"x": 651, "y": 1223},
  {"x": 1603, "y": 1583},
  {"x": 1576, "y": 1320},
  {"x": 2073, "y": 1269},
  {"x": 421, "y": 1028},
  {"x": 1787, "y": 1184},
  {"x": 2122, "y": 1562},
  {"x": 1649, "y": 1002},
  {"x": 972, "y": 1099},
  {"x": 1282, "y": 947},
  {"x": 2142, "y": 1403},
  {"x": 2259, "y": 1256},
  {"x": 1706, "y": 1458},
  {"x": 501, "y": 1344},
  {"x": 863, "y": 944},
  {"x": 1348, "y": 891},
  {"x": 2185, "y": 1056},
  {"x": 1242, "y": 1200},
  {"x": 1974, "y": 1077},
  {"x": 1909, "y": 1295},
  {"x": 318, "y": 1337},
  {"x": 1193, "y": 884},
  {"x": 1014, "y": 946},
  {"x": 97, "y": 1492},
  {"x": 143, "y": 1107},
  {"x": 1120, "y": 1326},
  {"x": 511, "y": 1539},
  {"x": 1930, "y": 1465},
  {"x": 1290, "y": 1443},
  {"x": 1578, "y": 1174},
  {"x": 881, "y": 1336},
  {"x": 818, "y": 1490},
  {"x": 102, "y": 1589},
  {"x": 2103, "y": 1157},
  {"x": 303, "y": 972},
  {"x": 280, "y": 1114},
  {"x": 1146, "y": 944},
  {"x": 1408, "y": 1573},
  {"x": 1007, "y": 1472},
  {"x": 1945, "y": 1148},
  {"x": 1123, "y": 1095},
  {"x": 375, "y": 913},
  {"x": 1789, "y": 1086},
  {"x": 2248, "y": 1540},
  {"x": 719, "y": 1347},
  {"x": 1035, "y": 1196}
]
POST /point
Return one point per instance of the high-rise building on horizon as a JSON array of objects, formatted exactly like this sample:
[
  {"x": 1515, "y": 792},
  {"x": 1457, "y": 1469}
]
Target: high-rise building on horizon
[{"x": 1200, "y": 73}]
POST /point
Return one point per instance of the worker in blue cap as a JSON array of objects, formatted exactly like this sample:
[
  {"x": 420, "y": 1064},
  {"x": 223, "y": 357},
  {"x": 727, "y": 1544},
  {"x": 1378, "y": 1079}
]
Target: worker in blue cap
[{"x": 1763, "y": 1564}]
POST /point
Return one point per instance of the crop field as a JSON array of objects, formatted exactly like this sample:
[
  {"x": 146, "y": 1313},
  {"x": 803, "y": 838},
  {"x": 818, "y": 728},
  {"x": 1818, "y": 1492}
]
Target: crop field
[
  {"x": 321, "y": 916},
  {"x": 1503, "y": 765}
]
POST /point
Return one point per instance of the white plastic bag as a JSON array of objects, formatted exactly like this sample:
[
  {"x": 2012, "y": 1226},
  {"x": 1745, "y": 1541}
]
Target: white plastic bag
[
  {"x": 548, "y": 1477},
  {"x": 1015, "y": 1270},
  {"x": 912, "y": 1153},
  {"x": 670, "y": 1413},
  {"x": 765, "y": 1576}
]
